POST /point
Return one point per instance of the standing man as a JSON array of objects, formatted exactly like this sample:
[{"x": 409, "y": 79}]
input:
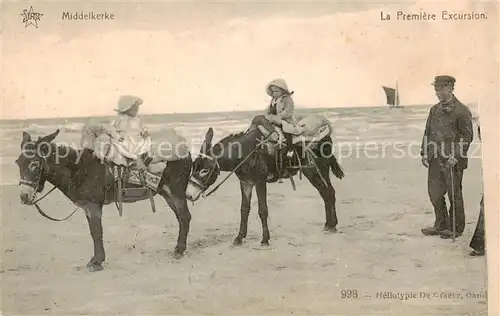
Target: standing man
[
  {"x": 477, "y": 242},
  {"x": 447, "y": 137}
]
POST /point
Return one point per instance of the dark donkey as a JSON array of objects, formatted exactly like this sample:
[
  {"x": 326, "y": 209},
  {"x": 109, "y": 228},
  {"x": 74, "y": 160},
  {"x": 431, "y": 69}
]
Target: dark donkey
[
  {"x": 88, "y": 183},
  {"x": 255, "y": 166}
]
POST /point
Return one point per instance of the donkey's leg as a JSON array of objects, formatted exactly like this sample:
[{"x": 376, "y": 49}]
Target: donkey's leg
[
  {"x": 178, "y": 204},
  {"x": 261, "y": 189},
  {"x": 184, "y": 222},
  {"x": 327, "y": 191},
  {"x": 93, "y": 212},
  {"x": 246, "y": 199}
]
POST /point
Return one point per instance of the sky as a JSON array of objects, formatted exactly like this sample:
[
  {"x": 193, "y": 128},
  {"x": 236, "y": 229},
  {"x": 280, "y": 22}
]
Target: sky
[{"x": 218, "y": 56}]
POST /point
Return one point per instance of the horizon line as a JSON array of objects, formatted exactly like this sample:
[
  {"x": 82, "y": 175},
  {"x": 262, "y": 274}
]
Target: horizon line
[{"x": 215, "y": 112}]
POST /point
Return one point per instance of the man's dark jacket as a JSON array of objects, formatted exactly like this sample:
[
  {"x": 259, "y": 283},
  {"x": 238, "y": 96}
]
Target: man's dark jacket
[{"x": 448, "y": 132}]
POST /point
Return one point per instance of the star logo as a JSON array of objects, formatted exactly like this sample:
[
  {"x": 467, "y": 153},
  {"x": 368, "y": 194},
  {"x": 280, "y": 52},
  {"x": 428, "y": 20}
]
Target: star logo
[{"x": 30, "y": 17}]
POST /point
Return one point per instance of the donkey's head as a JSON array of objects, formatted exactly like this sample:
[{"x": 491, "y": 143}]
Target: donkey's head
[
  {"x": 205, "y": 171},
  {"x": 33, "y": 167}
]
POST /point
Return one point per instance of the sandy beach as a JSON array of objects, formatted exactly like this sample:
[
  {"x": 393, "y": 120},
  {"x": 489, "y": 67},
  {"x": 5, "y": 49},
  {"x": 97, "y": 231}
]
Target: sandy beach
[
  {"x": 200, "y": 63},
  {"x": 381, "y": 205}
]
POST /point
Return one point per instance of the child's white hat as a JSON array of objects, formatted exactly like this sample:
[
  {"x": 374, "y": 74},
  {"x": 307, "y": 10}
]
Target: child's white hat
[
  {"x": 126, "y": 102},
  {"x": 280, "y": 83}
]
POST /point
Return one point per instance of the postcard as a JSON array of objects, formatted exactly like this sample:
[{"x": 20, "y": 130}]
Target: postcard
[{"x": 250, "y": 158}]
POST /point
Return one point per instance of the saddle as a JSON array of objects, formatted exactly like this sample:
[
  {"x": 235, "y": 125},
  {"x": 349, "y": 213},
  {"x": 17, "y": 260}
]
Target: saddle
[
  {"x": 171, "y": 147},
  {"x": 314, "y": 128},
  {"x": 132, "y": 184}
]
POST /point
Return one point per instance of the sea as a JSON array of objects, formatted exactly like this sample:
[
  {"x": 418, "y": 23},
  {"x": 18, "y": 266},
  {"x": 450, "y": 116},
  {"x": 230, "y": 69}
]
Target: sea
[{"x": 352, "y": 126}]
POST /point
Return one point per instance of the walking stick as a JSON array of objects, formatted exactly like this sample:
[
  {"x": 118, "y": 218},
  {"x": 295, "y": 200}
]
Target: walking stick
[{"x": 453, "y": 212}]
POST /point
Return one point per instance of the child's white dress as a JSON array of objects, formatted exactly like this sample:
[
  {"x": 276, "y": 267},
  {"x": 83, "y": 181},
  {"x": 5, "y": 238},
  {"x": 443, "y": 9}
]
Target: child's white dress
[{"x": 133, "y": 144}]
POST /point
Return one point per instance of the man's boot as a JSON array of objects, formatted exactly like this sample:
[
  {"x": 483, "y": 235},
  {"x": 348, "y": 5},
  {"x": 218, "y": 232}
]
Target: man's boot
[
  {"x": 447, "y": 234},
  {"x": 477, "y": 253},
  {"x": 430, "y": 231}
]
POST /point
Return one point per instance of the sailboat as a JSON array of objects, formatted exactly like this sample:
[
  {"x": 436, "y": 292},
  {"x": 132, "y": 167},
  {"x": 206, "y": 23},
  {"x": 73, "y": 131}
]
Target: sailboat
[{"x": 392, "y": 96}]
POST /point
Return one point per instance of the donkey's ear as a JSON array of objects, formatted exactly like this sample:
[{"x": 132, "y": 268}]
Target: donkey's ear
[
  {"x": 209, "y": 135},
  {"x": 26, "y": 138},
  {"x": 207, "y": 143},
  {"x": 49, "y": 138}
]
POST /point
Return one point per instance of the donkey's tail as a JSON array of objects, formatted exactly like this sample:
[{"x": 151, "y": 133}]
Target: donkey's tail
[{"x": 336, "y": 168}]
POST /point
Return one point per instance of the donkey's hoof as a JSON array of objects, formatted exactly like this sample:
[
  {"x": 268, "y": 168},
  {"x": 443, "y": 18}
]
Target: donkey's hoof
[
  {"x": 177, "y": 255},
  {"x": 95, "y": 267},
  {"x": 92, "y": 262},
  {"x": 330, "y": 229},
  {"x": 264, "y": 244},
  {"x": 237, "y": 241}
]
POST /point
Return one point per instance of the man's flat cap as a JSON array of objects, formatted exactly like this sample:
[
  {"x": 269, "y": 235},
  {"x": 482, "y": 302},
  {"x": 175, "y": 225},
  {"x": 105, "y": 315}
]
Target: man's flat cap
[{"x": 444, "y": 80}]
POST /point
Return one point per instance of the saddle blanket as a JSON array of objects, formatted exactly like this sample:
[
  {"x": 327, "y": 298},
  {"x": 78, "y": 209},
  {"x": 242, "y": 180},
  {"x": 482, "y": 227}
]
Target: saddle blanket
[
  {"x": 171, "y": 147},
  {"x": 152, "y": 180},
  {"x": 315, "y": 127}
]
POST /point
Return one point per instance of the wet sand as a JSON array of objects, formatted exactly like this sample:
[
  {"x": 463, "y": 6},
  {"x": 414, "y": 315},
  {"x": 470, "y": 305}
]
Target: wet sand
[{"x": 381, "y": 205}]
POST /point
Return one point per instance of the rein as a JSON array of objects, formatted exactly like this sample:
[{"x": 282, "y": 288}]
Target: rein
[
  {"x": 39, "y": 209},
  {"x": 237, "y": 167},
  {"x": 35, "y": 203},
  {"x": 52, "y": 218}
]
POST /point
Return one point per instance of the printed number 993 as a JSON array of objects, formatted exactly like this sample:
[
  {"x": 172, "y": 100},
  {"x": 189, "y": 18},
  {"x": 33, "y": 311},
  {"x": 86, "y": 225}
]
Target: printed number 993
[{"x": 349, "y": 294}]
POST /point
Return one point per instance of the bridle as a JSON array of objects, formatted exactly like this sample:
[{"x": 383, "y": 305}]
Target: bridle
[
  {"x": 39, "y": 179},
  {"x": 215, "y": 169},
  {"x": 39, "y": 182}
]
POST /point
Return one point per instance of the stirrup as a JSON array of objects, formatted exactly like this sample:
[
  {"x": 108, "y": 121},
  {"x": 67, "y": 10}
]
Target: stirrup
[
  {"x": 118, "y": 175},
  {"x": 117, "y": 172},
  {"x": 279, "y": 163},
  {"x": 147, "y": 160},
  {"x": 142, "y": 177},
  {"x": 139, "y": 164}
]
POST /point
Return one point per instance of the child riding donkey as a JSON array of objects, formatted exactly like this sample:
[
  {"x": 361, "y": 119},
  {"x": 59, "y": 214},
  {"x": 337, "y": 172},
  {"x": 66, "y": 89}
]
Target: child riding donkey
[
  {"x": 280, "y": 113},
  {"x": 128, "y": 139},
  {"x": 134, "y": 144},
  {"x": 126, "y": 144}
]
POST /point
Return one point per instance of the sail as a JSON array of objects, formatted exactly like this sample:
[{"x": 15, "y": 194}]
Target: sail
[{"x": 392, "y": 97}]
